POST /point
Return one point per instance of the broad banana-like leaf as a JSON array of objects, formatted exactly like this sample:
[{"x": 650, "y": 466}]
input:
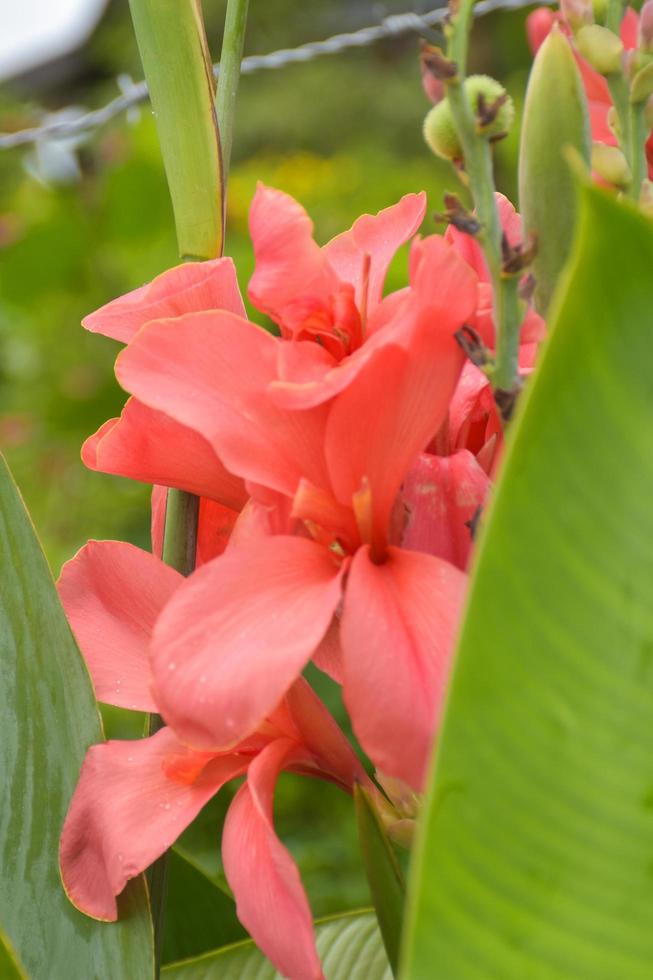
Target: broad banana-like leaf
[
  {"x": 536, "y": 846},
  {"x": 48, "y": 719}
]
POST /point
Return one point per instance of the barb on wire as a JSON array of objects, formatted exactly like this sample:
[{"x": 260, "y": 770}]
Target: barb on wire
[{"x": 392, "y": 26}]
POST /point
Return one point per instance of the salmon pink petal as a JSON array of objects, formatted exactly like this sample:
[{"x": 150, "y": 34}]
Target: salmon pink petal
[
  {"x": 442, "y": 495},
  {"x": 600, "y": 129},
  {"x": 629, "y": 28},
  {"x": 147, "y": 445},
  {"x": 323, "y": 738},
  {"x": 214, "y": 526},
  {"x": 383, "y": 436},
  {"x": 289, "y": 263},
  {"x": 270, "y": 899},
  {"x": 210, "y": 371},
  {"x": 113, "y": 593},
  {"x": 186, "y": 288},
  {"x": 377, "y": 236},
  {"x": 267, "y": 512},
  {"x": 131, "y": 803},
  {"x": 398, "y": 629},
  {"x": 328, "y": 656},
  {"x": 238, "y": 633},
  {"x": 158, "y": 501}
]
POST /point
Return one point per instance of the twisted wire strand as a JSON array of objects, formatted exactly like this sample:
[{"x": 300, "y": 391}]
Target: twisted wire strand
[{"x": 135, "y": 94}]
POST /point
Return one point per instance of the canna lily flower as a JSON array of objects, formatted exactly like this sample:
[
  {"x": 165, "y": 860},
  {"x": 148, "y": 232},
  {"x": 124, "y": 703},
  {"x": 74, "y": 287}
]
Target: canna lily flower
[
  {"x": 134, "y": 798},
  {"x": 313, "y": 431}
]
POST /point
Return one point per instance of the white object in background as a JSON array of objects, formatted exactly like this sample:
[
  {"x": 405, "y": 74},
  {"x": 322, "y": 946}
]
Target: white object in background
[{"x": 34, "y": 32}]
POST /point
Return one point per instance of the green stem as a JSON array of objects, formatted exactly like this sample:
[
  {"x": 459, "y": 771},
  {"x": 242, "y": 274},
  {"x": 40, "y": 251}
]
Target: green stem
[
  {"x": 614, "y": 16},
  {"x": 637, "y": 161},
  {"x": 233, "y": 40},
  {"x": 477, "y": 155}
]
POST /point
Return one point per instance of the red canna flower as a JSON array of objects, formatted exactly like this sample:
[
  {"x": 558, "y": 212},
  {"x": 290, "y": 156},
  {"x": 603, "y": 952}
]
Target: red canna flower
[
  {"x": 334, "y": 439},
  {"x": 134, "y": 798}
]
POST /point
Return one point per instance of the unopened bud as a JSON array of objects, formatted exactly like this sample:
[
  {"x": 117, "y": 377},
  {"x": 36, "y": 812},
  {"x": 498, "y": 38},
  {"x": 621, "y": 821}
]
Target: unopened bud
[
  {"x": 645, "y": 30},
  {"x": 601, "y": 48},
  {"x": 577, "y": 13},
  {"x": 490, "y": 103},
  {"x": 610, "y": 164},
  {"x": 641, "y": 86},
  {"x": 555, "y": 124}
]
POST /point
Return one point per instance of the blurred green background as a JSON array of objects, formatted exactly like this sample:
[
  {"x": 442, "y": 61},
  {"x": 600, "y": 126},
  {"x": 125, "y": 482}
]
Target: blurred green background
[{"x": 342, "y": 134}]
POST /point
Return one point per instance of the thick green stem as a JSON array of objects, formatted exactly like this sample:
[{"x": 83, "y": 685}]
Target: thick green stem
[
  {"x": 233, "y": 40},
  {"x": 477, "y": 155},
  {"x": 637, "y": 161}
]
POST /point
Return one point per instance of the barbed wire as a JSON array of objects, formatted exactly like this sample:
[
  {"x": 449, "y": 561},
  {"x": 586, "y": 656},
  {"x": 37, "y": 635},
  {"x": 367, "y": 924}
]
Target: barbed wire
[{"x": 135, "y": 93}]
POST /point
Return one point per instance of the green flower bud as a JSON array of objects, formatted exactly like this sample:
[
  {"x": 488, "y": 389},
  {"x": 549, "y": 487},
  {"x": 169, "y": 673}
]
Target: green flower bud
[
  {"x": 610, "y": 164},
  {"x": 601, "y": 48},
  {"x": 440, "y": 130},
  {"x": 555, "y": 118},
  {"x": 641, "y": 86}
]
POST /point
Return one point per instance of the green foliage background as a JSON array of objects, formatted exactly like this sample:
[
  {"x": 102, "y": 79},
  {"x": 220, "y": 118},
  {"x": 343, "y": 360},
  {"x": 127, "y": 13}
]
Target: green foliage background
[{"x": 342, "y": 134}]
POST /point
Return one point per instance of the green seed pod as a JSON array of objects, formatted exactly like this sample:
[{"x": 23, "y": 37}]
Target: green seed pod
[
  {"x": 610, "y": 164},
  {"x": 440, "y": 130},
  {"x": 601, "y": 48},
  {"x": 555, "y": 117}
]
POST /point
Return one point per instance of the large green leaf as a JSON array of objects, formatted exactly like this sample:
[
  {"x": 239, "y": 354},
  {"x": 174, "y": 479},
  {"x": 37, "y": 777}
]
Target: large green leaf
[
  {"x": 350, "y": 948},
  {"x": 199, "y": 916},
  {"x": 48, "y": 718},
  {"x": 536, "y": 853}
]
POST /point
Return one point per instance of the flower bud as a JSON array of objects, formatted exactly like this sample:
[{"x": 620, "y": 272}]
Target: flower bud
[
  {"x": 610, "y": 164},
  {"x": 601, "y": 48},
  {"x": 482, "y": 92},
  {"x": 641, "y": 86},
  {"x": 555, "y": 118}
]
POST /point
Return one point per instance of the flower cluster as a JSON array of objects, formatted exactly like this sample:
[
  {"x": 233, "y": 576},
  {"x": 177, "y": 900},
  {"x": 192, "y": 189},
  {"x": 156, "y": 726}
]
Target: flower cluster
[{"x": 340, "y": 466}]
